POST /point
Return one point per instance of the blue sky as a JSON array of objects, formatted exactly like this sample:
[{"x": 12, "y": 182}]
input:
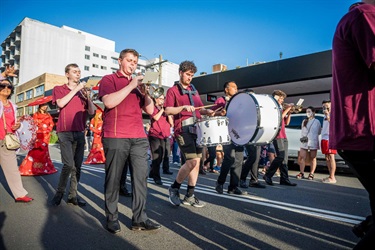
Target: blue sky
[{"x": 208, "y": 32}]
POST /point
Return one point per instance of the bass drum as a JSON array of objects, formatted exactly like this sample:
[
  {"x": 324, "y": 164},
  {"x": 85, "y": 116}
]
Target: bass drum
[{"x": 253, "y": 119}]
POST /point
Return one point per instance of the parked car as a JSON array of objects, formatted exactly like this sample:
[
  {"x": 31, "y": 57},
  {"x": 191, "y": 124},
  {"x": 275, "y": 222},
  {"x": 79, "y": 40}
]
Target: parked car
[{"x": 293, "y": 133}]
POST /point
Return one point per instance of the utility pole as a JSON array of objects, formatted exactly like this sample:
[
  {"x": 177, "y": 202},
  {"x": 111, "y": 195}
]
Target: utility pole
[{"x": 160, "y": 69}]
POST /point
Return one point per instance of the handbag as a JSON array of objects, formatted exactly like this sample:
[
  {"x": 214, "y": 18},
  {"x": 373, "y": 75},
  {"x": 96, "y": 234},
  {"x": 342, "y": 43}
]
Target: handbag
[
  {"x": 305, "y": 139},
  {"x": 11, "y": 140}
]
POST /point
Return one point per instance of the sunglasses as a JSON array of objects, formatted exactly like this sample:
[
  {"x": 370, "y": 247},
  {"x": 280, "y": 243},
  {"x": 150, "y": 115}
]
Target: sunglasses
[{"x": 3, "y": 86}]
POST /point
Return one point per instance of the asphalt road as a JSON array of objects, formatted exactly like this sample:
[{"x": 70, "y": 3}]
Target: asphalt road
[{"x": 312, "y": 215}]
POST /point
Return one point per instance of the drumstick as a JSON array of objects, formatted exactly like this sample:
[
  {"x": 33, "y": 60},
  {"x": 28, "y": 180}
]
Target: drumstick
[
  {"x": 219, "y": 108},
  {"x": 207, "y": 106}
]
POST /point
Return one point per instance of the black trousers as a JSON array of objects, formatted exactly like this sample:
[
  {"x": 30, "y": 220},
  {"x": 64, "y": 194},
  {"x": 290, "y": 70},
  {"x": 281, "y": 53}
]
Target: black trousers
[
  {"x": 72, "y": 146},
  {"x": 124, "y": 174},
  {"x": 281, "y": 160},
  {"x": 233, "y": 158},
  {"x": 117, "y": 151},
  {"x": 362, "y": 163},
  {"x": 251, "y": 164},
  {"x": 160, "y": 150}
]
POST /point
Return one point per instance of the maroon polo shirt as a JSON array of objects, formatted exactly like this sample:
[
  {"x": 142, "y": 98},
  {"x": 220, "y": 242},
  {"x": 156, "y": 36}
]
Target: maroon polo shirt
[
  {"x": 352, "y": 125},
  {"x": 282, "y": 133},
  {"x": 124, "y": 120},
  {"x": 72, "y": 117},
  {"x": 220, "y": 102},
  {"x": 175, "y": 98},
  {"x": 161, "y": 128}
]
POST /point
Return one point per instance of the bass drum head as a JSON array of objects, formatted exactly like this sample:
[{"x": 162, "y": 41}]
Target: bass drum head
[{"x": 242, "y": 114}]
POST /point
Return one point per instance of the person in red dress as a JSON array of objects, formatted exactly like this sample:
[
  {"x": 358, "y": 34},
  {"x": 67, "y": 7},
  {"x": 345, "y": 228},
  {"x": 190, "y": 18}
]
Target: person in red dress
[
  {"x": 38, "y": 161},
  {"x": 96, "y": 155}
]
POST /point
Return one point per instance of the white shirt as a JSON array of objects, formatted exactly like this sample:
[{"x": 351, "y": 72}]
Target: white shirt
[
  {"x": 312, "y": 131},
  {"x": 325, "y": 130}
]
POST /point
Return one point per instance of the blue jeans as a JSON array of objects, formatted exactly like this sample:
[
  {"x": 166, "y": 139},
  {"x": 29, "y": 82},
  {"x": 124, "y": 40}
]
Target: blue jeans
[
  {"x": 176, "y": 157},
  {"x": 72, "y": 146}
]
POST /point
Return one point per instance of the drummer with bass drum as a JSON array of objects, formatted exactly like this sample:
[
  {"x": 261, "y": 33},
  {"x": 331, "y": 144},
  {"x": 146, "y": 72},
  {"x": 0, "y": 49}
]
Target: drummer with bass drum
[{"x": 233, "y": 155}]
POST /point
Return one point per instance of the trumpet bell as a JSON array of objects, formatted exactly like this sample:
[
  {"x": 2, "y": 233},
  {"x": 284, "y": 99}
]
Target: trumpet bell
[{"x": 157, "y": 92}]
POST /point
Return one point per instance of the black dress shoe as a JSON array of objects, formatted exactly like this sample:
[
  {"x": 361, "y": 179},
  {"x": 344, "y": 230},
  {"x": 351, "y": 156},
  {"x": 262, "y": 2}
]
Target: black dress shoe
[
  {"x": 147, "y": 225},
  {"x": 202, "y": 172},
  {"x": 288, "y": 183},
  {"x": 125, "y": 192},
  {"x": 237, "y": 191},
  {"x": 113, "y": 226},
  {"x": 76, "y": 202},
  {"x": 219, "y": 188},
  {"x": 243, "y": 184},
  {"x": 158, "y": 182},
  {"x": 257, "y": 185},
  {"x": 56, "y": 200},
  {"x": 167, "y": 172},
  {"x": 268, "y": 180}
]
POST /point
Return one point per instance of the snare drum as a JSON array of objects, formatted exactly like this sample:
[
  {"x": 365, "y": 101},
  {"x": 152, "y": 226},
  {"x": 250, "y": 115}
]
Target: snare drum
[
  {"x": 212, "y": 131},
  {"x": 253, "y": 119}
]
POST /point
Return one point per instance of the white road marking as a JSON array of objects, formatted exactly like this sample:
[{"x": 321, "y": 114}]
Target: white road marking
[{"x": 320, "y": 213}]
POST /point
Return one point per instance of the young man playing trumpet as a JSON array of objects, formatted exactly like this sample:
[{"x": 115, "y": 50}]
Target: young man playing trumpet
[
  {"x": 73, "y": 100},
  {"x": 124, "y": 97},
  {"x": 281, "y": 145}
]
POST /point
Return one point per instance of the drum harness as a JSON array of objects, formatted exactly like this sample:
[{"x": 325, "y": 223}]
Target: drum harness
[{"x": 190, "y": 93}]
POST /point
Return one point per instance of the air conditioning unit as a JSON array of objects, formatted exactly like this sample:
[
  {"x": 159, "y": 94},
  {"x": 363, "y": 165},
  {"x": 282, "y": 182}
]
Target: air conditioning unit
[{"x": 219, "y": 68}]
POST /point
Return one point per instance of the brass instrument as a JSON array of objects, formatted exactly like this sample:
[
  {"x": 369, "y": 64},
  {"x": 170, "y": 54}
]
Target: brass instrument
[
  {"x": 156, "y": 92},
  {"x": 295, "y": 108}
]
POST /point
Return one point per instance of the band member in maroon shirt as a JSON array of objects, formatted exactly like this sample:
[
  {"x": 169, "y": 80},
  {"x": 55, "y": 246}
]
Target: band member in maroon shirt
[
  {"x": 124, "y": 97},
  {"x": 182, "y": 102},
  {"x": 158, "y": 136},
  {"x": 74, "y": 102}
]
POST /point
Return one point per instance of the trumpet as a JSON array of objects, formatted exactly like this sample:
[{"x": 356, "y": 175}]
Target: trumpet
[
  {"x": 295, "y": 107},
  {"x": 152, "y": 91}
]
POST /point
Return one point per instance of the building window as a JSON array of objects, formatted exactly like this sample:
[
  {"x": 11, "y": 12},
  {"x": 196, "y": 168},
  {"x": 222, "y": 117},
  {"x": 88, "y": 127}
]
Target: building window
[
  {"x": 87, "y": 48},
  {"x": 95, "y": 55},
  {"x": 29, "y": 110},
  {"x": 104, "y": 57},
  {"x": 20, "y": 97},
  {"x": 87, "y": 68},
  {"x": 39, "y": 90},
  {"x": 87, "y": 57},
  {"x": 115, "y": 61},
  {"x": 20, "y": 112},
  {"x": 29, "y": 94},
  {"x": 95, "y": 66},
  {"x": 103, "y": 67}
]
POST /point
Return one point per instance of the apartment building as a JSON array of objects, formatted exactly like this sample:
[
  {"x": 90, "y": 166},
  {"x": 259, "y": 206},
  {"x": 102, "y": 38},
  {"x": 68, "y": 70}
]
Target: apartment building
[
  {"x": 40, "y": 52},
  {"x": 35, "y": 48}
]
